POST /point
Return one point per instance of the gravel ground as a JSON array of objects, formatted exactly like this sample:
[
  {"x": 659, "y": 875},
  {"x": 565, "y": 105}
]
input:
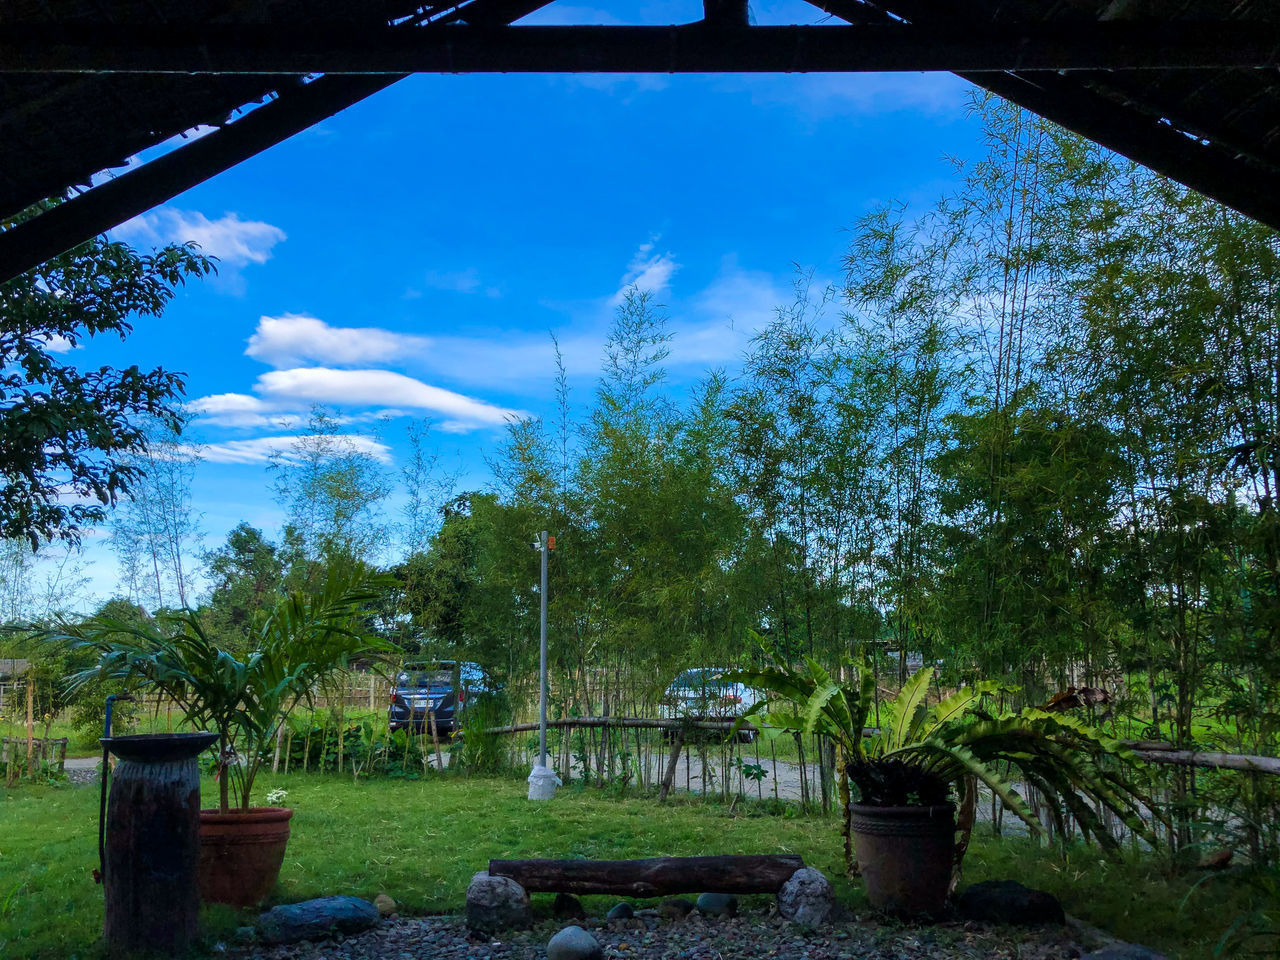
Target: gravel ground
[{"x": 695, "y": 938}]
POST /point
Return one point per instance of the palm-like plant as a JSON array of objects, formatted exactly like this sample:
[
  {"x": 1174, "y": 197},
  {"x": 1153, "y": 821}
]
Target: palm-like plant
[
  {"x": 812, "y": 701},
  {"x": 304, "y": 639},
  {"x": 1072, "y": 765},
  {"x": 921, "y": 752}
]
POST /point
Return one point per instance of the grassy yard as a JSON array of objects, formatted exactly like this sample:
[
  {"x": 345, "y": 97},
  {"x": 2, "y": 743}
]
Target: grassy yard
[{"x": 420, "y": 841}]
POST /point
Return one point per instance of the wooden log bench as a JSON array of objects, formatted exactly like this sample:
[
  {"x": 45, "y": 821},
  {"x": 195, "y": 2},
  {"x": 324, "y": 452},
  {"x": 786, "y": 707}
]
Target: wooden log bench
[{"x": 655, "y": 877}]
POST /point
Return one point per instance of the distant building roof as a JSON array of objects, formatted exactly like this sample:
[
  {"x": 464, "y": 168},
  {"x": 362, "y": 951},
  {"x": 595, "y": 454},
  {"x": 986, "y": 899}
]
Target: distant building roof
[{"x": 13, "y": 667}]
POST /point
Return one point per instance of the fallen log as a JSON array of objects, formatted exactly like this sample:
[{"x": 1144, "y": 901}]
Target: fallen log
[
  {"x": 1154, "y": 752},
  {"x": 656, "y": 877},
  {"x": 569, "y": 723}
]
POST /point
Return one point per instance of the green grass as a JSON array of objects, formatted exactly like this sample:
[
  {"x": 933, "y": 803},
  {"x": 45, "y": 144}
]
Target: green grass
[{"x": 420, "y": 841}]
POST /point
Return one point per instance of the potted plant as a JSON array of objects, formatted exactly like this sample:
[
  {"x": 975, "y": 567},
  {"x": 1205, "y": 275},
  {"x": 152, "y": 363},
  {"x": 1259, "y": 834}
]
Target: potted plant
[
  {"x": 902, "y": 826},
  {"x": 244, "y": 698}
]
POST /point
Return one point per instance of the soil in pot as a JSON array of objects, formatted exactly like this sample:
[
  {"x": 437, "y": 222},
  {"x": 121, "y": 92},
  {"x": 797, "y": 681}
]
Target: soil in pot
[
  {"x": 241, "y": 854},
  {"x": 905, "y": 856}
]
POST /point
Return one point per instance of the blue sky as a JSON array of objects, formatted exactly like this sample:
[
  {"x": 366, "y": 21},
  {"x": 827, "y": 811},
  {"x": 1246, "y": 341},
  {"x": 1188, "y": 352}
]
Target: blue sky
[{"x": 412, "y": 253}]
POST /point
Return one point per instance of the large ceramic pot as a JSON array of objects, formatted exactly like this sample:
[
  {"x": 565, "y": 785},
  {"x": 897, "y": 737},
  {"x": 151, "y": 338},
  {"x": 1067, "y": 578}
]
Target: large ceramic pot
[
  {"x": 241, "y": 853},
  {"x": 905, "y": 855}
]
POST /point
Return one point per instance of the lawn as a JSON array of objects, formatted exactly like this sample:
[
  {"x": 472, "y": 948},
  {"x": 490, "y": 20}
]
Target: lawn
[{"x": 420, "y": 841}]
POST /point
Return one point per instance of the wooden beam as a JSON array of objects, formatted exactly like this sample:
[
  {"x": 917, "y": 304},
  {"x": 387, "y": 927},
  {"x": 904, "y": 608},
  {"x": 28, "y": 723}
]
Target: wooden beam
[
  {"x": 656, "y": 877},
  {"x": 1248, "y": 187},
  {"x": 30, "y": 243},
  {"x": 692, "y": 48}
]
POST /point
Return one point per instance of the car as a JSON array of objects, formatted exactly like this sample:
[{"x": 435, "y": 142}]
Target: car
[
  {"x": 702, "y": 693},
  {"x": 441, "y": 687}
]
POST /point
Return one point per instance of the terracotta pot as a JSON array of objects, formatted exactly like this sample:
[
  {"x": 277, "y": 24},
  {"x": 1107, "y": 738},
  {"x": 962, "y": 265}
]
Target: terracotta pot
[
  {"x": 905, "y": 855},
  {"x": 241, "y": 854}
]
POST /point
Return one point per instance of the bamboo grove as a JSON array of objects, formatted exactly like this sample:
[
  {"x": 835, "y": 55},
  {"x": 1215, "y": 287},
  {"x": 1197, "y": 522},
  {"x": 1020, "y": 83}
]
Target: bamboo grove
[{"x": 1031, "y": 434}]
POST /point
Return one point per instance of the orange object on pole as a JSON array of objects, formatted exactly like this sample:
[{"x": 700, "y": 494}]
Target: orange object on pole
[{"x": 551, "y": 543}]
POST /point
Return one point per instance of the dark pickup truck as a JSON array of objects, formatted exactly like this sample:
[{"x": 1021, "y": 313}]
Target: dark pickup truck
[{"x": 441, "y": 687}]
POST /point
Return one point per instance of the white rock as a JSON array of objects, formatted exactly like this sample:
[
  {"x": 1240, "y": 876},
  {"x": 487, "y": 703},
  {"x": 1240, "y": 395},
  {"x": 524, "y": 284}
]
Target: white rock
[
  {"x": 807, "y": 898},
  {"x": 574, "y": 943},
  {"x": 496, "y": 903}
]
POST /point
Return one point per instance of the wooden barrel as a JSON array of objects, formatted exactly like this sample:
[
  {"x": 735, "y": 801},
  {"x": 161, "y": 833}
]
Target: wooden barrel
[{"x": 153, "y": 843}]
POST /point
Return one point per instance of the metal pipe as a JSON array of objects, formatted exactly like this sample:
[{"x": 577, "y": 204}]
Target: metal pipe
[
  {"x": 101, "y": 872},
  {"x": 542, "y": 661}
]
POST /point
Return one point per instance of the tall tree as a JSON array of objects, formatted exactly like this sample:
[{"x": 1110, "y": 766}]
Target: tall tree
[
  {"x": 155, "y": 530},
  {"x": 244, "y": 574},
  {"x": 332, "y": 486},
  {"x": 68, "y": 433}
]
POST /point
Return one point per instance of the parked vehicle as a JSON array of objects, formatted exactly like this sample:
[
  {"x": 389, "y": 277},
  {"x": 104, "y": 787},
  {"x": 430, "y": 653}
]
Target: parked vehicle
[
  {"x": 441, "y": 687},
  {"x": 702, "y": 693}
]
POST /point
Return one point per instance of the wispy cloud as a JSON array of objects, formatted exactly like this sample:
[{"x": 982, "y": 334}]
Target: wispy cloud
[
  {"x": 292, "y": 339},
  {"x": 237, "y": 410},
  {"x": 235, "y": 242},
  {"x": 825, "y": 95},
  {"x": 380, "y": 388},
  {"x": 264, "y": 449},
  {"x": 649, "y": 270},
  {"x": 57, "y": 343}
]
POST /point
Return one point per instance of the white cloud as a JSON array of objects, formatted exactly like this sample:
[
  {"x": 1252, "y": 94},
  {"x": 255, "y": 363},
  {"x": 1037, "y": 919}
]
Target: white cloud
[
  {"x": 745, "y": 298},
  {"x": 455, "y": 281},
  {"x": 379, "y": 388},
  {"x": 292, "y": 339},
  {"x": 57, "y": 343},
  {"x": 237, "y": 410},
  {"x": 263, "y": 449},
  {"x": 825, "y": 95},
  {"x": 233, "y": 241},
  {"x": 648, "y": 270}
]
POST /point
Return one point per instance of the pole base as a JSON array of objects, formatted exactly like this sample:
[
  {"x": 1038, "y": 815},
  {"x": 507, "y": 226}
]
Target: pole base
[{"x": 542, "y": 783}]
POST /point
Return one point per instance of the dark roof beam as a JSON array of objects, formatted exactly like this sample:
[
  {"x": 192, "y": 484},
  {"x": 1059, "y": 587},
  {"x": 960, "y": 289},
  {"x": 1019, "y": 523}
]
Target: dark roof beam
[
  {"x": 691, "y": 48},
  {"x": 1216, "y": 172},
  {"x": 26, "y": 245}
]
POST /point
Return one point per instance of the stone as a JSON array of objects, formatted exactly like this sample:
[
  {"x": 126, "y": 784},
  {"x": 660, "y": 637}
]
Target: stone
[
  {"x": 1009, "y": 902},
  {"x": 620, "y": 911},
  {"x": 677, "y": 908},
  {"x": 807, "y": 898},
  {"x": 717, "y": 904},
  {"x": 316, "y": 919},
  {"x": 568, "y": 907},
  {"x": 496, "y": 903},
  {"x": 386, "y": 906},
  {"x": 245, "y": 935},
  {"x": 574, "y": 943},
  {"x": 1124, "y": 951},
  {"x": 1217, "y": 860}
]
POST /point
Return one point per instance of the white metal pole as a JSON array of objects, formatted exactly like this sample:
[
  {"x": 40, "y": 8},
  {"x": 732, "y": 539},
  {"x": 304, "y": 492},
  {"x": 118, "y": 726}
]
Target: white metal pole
[{"x": 542, "y": 662}]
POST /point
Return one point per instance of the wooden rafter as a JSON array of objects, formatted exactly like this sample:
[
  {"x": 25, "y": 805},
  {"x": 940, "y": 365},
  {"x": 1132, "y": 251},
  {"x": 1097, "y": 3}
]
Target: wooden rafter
[
  {"x": 690, "y": 48},
  {"x": 1068, "y": 100},
  {"x": 30, "y": 243}
]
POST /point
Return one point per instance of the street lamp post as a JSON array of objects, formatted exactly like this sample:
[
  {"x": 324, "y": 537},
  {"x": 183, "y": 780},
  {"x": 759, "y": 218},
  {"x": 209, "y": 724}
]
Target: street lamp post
[{"x": 543, "y": 781}]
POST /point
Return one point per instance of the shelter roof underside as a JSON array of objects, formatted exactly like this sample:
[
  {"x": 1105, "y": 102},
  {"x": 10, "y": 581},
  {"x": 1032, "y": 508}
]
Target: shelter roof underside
[{"x": 1215, "y": 127}]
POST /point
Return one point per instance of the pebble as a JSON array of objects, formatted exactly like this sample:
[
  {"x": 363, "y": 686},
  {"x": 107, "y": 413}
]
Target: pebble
[
  {"x": 717, "y": 904},
  {"x": 574, "y": 943},
  {"x": 620, "y": 911},
  {"x": 676, "y": 908},
  {"x": 751, "y": 935}
]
